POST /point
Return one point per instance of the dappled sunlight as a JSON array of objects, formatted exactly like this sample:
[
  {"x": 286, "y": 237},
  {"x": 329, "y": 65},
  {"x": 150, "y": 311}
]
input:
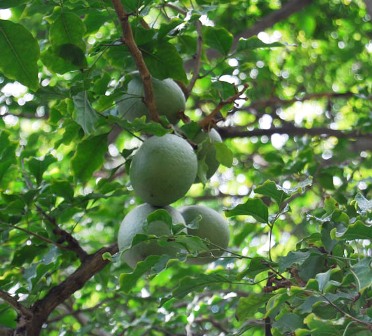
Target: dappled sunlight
[{"x": 250, "y": 212}]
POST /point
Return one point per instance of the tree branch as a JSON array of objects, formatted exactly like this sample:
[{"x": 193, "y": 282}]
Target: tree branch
[
  {"x": 129, "y": 41},
  {"x": 311, "y": 96},
  {"x": 234, "y": 132},
  {"x": 268, "y": 21},
  {"x": 42, "y": 308},
  {"x": 15, "y": 304},
  {"x": 291, "y": 7},
  {"x": 6, "y": 331}
]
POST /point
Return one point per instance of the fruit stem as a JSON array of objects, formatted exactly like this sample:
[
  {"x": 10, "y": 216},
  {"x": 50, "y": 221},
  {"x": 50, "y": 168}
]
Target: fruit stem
[{"x": 128, "y": 39}]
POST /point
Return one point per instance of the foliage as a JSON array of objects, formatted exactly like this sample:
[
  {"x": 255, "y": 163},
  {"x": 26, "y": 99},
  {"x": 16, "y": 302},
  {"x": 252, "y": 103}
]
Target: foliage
[{"x": 294, "y": 180}]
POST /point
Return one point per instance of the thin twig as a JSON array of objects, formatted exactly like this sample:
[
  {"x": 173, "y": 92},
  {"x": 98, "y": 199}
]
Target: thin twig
[
  {"x": 40, "y": 237},
  {"x": 367, "y": 324},
  {"x": 175, "y": 8},
  {"x": 197, "y": 57},
  {"x": 128, "y": 39},
  {"x": 72, "y": 244},
  {"x": 209, "y": 119}
]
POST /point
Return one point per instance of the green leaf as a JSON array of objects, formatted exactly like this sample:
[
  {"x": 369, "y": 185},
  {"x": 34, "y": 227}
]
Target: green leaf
[
  {"x": 254, "y": 207},
  {"x": 197, "y": 283},
  {"x": 7, "y": 154},
  {"x": 307, "y": 22},
  {"x": 8, "y": 316},
  {"x": 11, "y": 3},
  {"x": 84, "y": 114},
  {"x": 307, "y": 305},
  {"x": 255, "y": 43},
  {"x": 320, "y": 327},
  {"x": 272, "y": 190},
  {"x": 364, "y": 204},
  {"x": 301, "y": 186},
  {"x": 128, "y": 280},
  {"x": 62, "y": 189},
  {"x": 71, "y": 54},
  {"x": 202, "y": 170},
  {"x": 56, "y": 63},
  {"x": 19, "y": 54},
  {"x": 166, "y": 28},
  {"x": 140, "y": 125},
  {"x": 224, "y": 155},
  {"x": 358, "y": 230},
  {"x": 275, "y": 303},
  {"x": 68, "y": 28},
  {"x": 249, "y": 306},
  {"x": 39, "y": 166},
  {"x": 165, "y": 62},
  {"x": 107, "y": 256},
  {"x": 89, "y": 157},
  {"x": 192, "y": 244},
  {"x": 256, "y": 266},
  {"x": 132, "y": 6},
  {"x": 293, "y": 258},
  {"x": 160, "y": 215},
  {"x": 287, "y": 323},
  {"x": 362, "y": 272},
  {"x": 324, "y": 310},
  {"x": 26, "y": 254},
  {"x": 323, "y": 279},
  {"x": 218, "y": 38}
]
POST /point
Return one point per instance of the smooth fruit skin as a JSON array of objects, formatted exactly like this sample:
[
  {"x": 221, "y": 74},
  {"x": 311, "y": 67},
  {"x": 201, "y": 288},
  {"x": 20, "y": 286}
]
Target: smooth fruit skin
[
  {"x": 134, "y": 223},
  {"x": 169, "y": 100},
  {"x": 212, "y": 226},
  {"x": 163, "y": 169},
  {"x": 208, "y": 151}
]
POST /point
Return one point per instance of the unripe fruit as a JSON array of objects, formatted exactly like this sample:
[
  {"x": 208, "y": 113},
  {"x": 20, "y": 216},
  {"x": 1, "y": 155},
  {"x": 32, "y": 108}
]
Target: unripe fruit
[
  {"x": 163, "y": 169},
  {"x": 135, "y": 222},
  {"x": 169, "y": 100},
  {"x": 207, "y": 151},
  {"x": 212, "y": 226}
]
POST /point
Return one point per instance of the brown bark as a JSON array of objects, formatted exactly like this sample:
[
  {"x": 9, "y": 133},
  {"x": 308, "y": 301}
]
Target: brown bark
[{"x": 31, "y": 320}]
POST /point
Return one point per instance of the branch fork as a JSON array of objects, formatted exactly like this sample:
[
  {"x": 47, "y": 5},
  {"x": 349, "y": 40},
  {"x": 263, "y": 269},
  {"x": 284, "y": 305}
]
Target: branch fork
[{"x": 210, "y": 119}]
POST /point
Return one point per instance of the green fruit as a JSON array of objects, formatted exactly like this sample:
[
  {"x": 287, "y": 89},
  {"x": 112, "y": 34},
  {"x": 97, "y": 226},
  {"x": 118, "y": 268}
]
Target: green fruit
[
  {"x": 163, "y": 169},
  {"x": 135, "y": 222},
  {"x": 169, "y": 100},
  {"x": 211, "y": 226},
  {"x": 207, "y": 153}
]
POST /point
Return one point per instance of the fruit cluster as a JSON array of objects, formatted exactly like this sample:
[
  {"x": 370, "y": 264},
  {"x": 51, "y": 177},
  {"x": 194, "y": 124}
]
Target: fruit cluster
[{"x": 161, "y": 172}]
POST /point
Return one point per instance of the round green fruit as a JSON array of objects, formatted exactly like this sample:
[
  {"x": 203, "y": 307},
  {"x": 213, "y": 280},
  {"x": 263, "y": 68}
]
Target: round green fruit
[
  {"x": 169, "y": 100},
  {"x": 135, "y": 222},
  {"x": 212, "y": 227},
  {"x": 163, "y": 169},
  {"x": 207, "y": 152}
]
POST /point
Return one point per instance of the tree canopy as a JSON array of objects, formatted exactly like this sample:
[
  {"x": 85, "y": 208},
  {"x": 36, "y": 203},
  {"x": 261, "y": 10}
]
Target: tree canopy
[{"x": 286, "y": 84}]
